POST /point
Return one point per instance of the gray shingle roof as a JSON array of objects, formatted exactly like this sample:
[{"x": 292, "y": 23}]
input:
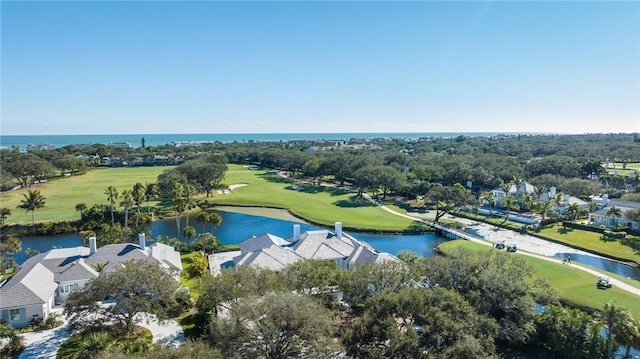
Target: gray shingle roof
[
  {"x": 40, "y": 275},
  {"x": 35, "y": 286}
]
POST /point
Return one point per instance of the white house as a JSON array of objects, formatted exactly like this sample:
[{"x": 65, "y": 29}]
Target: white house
[
  {"x": 45, "y": 281},
  {"x": 276, "y": 253},
  {"x": 599, "y": 217}
]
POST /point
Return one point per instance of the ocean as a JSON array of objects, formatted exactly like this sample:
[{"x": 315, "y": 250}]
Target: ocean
[{"x": 162, "y": 139}]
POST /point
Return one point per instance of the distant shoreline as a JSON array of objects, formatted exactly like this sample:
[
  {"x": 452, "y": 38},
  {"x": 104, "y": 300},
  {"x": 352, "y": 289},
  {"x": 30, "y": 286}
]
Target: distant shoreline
[{"x": 135, "y": 140}]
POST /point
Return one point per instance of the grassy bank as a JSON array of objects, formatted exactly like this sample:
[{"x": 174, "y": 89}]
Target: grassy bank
[
  {"x": 626, "y": 250},
  {"x": 594, "y": 242},
  {"x": 575, "y": 287},
  {"x": 63, "y": 195},
  {"x": 320, "y": 205}
]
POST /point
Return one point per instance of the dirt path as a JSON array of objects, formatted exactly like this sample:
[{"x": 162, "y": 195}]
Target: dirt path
[{"x": 532, "y": 246}]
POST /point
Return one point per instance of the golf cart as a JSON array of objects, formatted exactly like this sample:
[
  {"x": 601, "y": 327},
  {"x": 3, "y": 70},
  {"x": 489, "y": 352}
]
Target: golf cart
[{"x": 603, "y": 283}]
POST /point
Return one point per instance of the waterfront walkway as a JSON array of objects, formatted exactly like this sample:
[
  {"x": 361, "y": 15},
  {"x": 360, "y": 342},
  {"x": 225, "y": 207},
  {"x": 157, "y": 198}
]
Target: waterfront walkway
[{"x": 527, "y": 245}]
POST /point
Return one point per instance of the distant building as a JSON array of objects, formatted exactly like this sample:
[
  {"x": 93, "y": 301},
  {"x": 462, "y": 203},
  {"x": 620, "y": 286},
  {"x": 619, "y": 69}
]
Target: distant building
[
  {"x": 119, "y": 144},
  {"x": 40, "y": 147}
]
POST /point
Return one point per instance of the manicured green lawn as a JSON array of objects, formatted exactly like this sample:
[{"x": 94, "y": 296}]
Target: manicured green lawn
[
  {"x": 322, "y": 205},
  {"x": 575, "y": 287},
  {"x": 591, "y": 241},
  {"x": 63, "y": 195},
  {"x": 185, "y": 279}
]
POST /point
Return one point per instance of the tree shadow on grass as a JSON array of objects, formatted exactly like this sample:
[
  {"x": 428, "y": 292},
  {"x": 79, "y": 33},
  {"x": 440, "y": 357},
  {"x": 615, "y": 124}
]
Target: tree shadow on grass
[
  {"x": 565, "y": 230},
  {"x": 354, "y": 202},
  {"x": 274, "y": 178},
  {"x": 633, "y": 243}
]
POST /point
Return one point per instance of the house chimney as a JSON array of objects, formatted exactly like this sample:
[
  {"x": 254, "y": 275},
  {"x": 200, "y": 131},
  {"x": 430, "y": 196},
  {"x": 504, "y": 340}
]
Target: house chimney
[
  {"x": 92, "y": 245},
  {"x": 552, "y": 192},
  {"x": 339, "y": 229},
  {"x": 143, "y": 242},
  {"x": 605, "y": 200},
  {"x": 296, "y": 232}
]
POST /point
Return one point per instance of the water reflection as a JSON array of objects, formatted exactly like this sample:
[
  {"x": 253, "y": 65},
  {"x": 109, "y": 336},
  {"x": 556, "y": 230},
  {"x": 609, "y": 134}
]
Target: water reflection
[{"x": 236, "y": 227}]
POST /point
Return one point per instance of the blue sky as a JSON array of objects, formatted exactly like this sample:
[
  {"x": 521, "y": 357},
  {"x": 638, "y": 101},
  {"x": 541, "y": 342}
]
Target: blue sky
[{"x": 272, "y": 67}]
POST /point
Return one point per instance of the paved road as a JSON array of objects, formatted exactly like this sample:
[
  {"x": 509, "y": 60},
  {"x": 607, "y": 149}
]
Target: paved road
[
  {"x": 44, "y": 344},
  {"x": 527, "y": 245}
]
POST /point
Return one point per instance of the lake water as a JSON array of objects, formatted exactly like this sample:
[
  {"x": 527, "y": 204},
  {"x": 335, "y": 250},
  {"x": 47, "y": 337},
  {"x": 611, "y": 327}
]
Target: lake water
[{"x": 236, "y": 227}]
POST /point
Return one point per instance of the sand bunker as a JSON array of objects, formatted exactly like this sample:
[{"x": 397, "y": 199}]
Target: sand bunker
[{"x": 231, "y": 188}]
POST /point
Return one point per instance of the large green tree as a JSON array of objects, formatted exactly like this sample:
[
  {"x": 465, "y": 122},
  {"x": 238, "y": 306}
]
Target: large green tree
[
  {"x": 136, "y": 286},
  {"x": 420, "y": 323},
  {"x": 275, "y": 326},
  {"x": 498, "y": 285},
  {"x": 446, "y": 198}
]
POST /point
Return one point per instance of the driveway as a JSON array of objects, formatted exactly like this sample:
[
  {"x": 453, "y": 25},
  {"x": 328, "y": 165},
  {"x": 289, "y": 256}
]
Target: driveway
[{"x": 44, "y": 344}]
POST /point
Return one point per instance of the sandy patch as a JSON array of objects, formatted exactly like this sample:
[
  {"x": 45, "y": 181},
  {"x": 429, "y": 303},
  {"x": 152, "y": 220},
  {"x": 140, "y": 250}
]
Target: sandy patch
[
  {"x": 231, "y": 188},
  {"x": 237, "y": 185}
]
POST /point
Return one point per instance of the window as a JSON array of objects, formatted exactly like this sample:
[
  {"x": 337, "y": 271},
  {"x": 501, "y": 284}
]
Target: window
[
  {"x": 68, "y": 288},
  {"x": 14, "y": 314}
]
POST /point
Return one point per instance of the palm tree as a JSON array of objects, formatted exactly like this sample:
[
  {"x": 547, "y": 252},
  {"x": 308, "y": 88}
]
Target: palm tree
[
  {"x": 618, "y": 323},
  {"x": 189, "y": 232},
  {"x": 488, "y": 196},
  {"x": 573, "y": 210},
  {"x": 32, "y": 200},
  {"x": 127, "y": 202},
  {"x": 112, "y": 195},
  {"x": 81, "y": 207},
  {"x": 545, "y": 208},
  {"x": 189, "y": 193},
  {"x": 178, "y": 201},
  {"x": 630, "y": 337},
  {"x": 215, "y": 220},
  {"x": 150, "y": 192},
  {"x": 4, "y": 213},
  {"x": 138, "y": 197},
  {"x": 527, "y": 202},
  {"x": 99, "y": 267},
  {"x": 510, "y": 203},
  {"x": 203, "y": 218},
  {"x": 615, "y": 213}
]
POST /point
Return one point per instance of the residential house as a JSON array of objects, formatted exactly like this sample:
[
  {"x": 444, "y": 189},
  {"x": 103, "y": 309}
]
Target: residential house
[
  {"x": 276, "y": 253},
  {"x": 599, "y": 217},
  {"x": 45, "y": 281}
]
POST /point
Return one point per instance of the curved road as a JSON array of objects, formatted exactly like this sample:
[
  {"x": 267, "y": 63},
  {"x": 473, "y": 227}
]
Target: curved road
[{"x": 533, "y": 246}]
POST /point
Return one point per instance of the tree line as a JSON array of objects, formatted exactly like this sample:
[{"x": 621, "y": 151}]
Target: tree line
[{"x": 460, "y": 306}]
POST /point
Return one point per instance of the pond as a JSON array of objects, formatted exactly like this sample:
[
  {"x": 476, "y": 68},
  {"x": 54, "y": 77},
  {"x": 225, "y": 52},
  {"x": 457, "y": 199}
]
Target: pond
[{"x": 236, "y": 227}]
